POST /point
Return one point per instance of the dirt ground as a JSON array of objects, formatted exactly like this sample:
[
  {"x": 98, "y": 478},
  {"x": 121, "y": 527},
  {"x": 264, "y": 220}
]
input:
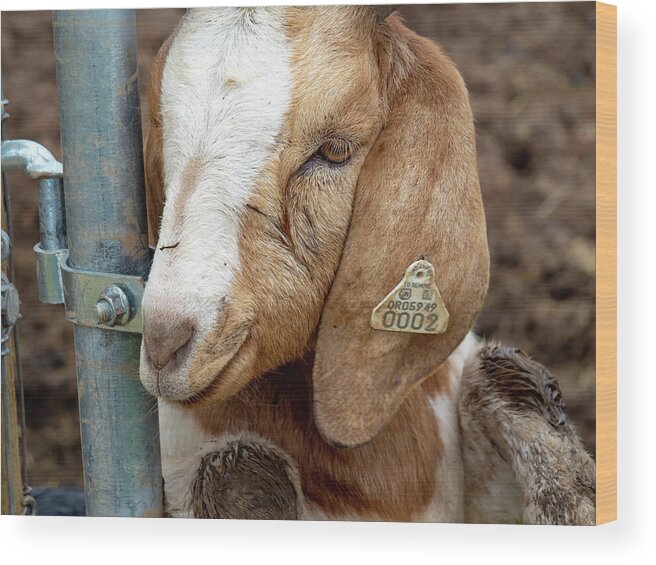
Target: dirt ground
[{"x": 530, "y": 69}]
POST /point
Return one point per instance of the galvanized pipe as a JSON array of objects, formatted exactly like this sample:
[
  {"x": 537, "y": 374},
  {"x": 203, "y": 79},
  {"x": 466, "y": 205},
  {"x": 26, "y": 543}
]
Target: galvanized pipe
[
  {"x": 31, "y": 157},
  {"x": 52, "y": 221},
  {"x": 38, "y": 163},
  {"x": 107, "y": 231}
]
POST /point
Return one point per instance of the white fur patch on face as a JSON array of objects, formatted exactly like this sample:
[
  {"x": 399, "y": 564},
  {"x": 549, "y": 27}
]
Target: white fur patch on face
[{"x": 226, "y": 87}]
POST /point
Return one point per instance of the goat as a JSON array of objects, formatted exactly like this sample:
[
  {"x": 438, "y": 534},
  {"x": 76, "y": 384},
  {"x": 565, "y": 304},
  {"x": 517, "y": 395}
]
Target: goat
[{"x": 298, "y": 161}]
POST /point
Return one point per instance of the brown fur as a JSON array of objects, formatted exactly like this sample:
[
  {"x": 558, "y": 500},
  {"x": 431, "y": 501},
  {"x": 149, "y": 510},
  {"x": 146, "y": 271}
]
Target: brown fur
[
  {"x": 417, "y": 195},
  {"x": 390, "y": 478},
  {"x": 318, "y": 251},
  {"x": 153, "y": 149}
]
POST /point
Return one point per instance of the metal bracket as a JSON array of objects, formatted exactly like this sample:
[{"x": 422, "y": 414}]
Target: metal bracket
[
  {"x": 86, "y": 294},
  {"x": 48, "y": 274},
  {"x": 94, "y": 299}
]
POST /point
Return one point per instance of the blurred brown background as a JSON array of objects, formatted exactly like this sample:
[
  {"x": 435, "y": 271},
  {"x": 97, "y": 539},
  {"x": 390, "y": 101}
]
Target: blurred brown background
[{"x": 530, "y": 69}]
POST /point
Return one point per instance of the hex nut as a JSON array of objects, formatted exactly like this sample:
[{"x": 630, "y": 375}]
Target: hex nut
[
  {"x": 6, "y": 245},
  {"x": 112, "y": 307},
  {"x": 10, "y": 304}
]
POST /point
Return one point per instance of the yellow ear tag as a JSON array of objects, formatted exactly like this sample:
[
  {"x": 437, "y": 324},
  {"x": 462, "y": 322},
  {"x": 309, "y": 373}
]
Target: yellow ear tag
[{"x": 414, "y": 306}]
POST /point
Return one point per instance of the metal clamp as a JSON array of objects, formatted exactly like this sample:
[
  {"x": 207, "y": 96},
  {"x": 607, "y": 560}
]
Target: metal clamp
[
  {"x": 91, "y": 298},
  {"x": 102, "y": 300},
  {"x": 48, "y": 274}
]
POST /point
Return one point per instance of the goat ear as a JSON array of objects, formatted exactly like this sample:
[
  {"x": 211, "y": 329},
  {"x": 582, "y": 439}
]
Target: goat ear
[
  {"x": 417, "y": 197},
  {"x": 154, "y": 182},
  {"x": 153, "y": 160}
]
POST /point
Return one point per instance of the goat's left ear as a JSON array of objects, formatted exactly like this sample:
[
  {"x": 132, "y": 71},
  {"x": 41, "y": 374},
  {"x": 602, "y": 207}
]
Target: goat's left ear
[{"x": 417, "y": 197}]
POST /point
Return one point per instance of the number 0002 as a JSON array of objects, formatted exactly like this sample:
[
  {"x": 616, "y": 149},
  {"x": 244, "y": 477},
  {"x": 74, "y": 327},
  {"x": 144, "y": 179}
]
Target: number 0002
[{"x": 401, "y": 320}]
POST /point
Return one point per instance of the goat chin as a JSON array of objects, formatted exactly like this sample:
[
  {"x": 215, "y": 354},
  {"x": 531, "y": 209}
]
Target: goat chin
[{"x": 181, "y": 380}]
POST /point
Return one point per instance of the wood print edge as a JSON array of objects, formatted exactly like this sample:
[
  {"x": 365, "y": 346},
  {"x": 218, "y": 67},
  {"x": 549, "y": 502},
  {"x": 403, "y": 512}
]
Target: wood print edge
[{"x": 606, "y": 251}]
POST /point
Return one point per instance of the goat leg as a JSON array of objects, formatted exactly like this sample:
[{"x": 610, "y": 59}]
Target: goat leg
[
  {"x": 524, "y": 461},
  {"x": 246, "y": 479}
]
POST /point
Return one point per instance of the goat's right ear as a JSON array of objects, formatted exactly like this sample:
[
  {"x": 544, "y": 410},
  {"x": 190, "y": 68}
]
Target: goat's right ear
[
  {"x": 153, "y": 162},
  {"x": 154, "y": 182},
  {"x": 417, "y": 197}
]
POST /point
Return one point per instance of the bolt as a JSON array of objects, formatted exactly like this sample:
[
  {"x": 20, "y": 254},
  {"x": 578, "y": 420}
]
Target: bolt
[
  {"x": 104, "y": 313},
  {"x": 112, "y": 307}
]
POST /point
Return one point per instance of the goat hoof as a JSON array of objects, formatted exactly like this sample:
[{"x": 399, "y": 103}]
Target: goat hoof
[
  {"x": 523, "y": 384},
  {"x": 245, "y": 480}
]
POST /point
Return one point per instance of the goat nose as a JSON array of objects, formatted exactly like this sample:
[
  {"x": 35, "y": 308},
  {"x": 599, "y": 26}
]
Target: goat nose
[{"x": 164, "y": 338}]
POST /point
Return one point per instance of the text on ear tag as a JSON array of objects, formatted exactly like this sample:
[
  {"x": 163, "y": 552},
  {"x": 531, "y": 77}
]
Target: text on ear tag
[{"x": 414, "y": 306}]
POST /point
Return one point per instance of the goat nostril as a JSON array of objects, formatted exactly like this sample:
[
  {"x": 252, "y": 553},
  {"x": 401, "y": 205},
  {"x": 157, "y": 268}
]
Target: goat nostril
[{"x": 165, "y": 343}]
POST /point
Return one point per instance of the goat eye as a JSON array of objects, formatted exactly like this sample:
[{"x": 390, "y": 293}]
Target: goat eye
[{"x": 335, "y": 151}]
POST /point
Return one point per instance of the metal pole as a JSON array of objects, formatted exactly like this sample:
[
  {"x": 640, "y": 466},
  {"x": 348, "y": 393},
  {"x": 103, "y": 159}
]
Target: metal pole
[
  {"x": 96, "y": 56},
  {"x": 52, "y": 221}
]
